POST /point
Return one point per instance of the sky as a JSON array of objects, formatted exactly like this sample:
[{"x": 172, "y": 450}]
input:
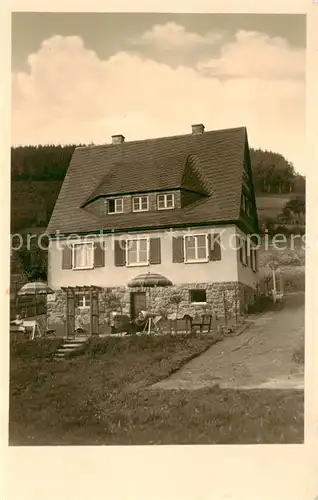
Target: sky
[{"x": 82, "y": 77}]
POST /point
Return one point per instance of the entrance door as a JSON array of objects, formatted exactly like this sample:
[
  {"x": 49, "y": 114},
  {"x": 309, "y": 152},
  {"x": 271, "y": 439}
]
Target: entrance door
[{"x": 138, "y": 303}]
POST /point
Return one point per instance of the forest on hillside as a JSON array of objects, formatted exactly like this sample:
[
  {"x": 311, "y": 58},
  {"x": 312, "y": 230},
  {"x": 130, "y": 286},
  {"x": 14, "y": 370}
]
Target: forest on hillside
[{"x": 272, "y": 172}]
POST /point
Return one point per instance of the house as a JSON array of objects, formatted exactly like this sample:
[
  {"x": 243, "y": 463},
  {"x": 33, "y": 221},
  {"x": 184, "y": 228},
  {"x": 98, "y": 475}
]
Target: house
[{"x": 181, "y": 206}]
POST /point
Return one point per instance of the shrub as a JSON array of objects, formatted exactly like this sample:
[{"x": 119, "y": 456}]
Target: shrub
[
  {"x": 294, "y": 279},
  {"x": 282, "y": 229},
  {"x": 298, "y": 229},
  {"x": 263, "y": 304}
]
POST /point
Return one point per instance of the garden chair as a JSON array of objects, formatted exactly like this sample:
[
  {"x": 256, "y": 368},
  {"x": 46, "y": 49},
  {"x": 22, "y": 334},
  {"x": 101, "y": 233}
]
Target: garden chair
[
  {"x": 157, "y": 325},
  {"x": 32, "y": 326},
  {"x": 201, "y": 321}
]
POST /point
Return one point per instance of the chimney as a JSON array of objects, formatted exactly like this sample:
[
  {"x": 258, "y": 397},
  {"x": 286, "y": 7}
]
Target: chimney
[
  {"x": 118, "y": 139},
  {"x": 197, "y": 129}
]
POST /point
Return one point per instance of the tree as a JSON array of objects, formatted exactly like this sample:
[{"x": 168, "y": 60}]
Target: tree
[
  {"x": 34, "y": 263},
  {"x": 297, "y": 204},
  {"x": 273, "y": 173},
  {"x": 36, "y": 163},
  {"x": 113, "y": 304},
  {"x": 176, "y": 299},
  {"x": 294, "y": 211}
]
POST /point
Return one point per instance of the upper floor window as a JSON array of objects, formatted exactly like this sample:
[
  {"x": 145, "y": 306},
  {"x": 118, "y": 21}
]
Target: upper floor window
[
  {"x": 196, "y": 248},
  {"x": 115, "y": 206},
  {"x": 83, "y": 255},
  {"x": 137, "y": 252},
  {"x": 165, "y": 201},
  {"x": 140, "y": 203}
]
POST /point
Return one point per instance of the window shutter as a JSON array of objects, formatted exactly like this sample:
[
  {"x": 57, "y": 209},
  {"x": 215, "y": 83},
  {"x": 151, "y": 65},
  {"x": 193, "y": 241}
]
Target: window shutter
[
  {"x": 67, "y": 257},
  {"x": 239, "y": 248},
  {"x": 247, "y": 254},
  {"x": 120, "y": 253},
  {"x": 99, "y": 254},
  {"x": 214, "y": 246},
  {"x": 177, "y": 249},
  {"x": 76, "y": 300},
  {"x": 252, "y": 258},
  {"x": 154, "y": 251},
  {"x": 255, "y": 260}
]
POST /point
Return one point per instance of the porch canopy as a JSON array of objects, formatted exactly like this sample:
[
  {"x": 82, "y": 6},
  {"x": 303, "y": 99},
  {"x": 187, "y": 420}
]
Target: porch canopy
[{"x": 81, "y": 288}]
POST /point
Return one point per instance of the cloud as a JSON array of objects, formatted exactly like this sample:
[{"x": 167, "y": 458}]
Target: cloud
[
  {"x": 172, "y": 36},
  {"x": 256, "y": 54},
  {"x": 69, "y": 95}
]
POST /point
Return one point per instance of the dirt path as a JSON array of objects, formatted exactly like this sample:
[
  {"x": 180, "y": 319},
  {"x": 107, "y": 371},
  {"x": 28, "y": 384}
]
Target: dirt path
[{"x": 259, "y": 357}]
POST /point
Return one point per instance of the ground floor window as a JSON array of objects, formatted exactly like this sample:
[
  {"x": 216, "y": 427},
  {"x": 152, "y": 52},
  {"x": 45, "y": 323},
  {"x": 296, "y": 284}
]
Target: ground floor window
[
  {"x": 198, "y": 296},
  {"x": 83, "y": 300}
]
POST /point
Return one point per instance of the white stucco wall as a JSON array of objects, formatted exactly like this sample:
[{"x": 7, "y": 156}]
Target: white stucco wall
[
  {"x": 245, "y": 274},
  {"x": 227, "y": 269}
]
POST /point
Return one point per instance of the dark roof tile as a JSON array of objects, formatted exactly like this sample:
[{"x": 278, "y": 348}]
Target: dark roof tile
[{"x": 211, "y": 163}]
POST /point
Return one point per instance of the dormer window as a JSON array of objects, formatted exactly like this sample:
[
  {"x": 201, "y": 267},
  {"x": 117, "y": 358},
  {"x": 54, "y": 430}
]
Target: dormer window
[
  {"x": 140, "y": 203},
  {"x": 115, "y": 206},
  {"x": 165, "y": 201}
]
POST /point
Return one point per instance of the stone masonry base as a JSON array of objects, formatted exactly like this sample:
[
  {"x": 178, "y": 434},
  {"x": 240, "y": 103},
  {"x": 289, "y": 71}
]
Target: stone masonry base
[{"x": 233, "y": 296}]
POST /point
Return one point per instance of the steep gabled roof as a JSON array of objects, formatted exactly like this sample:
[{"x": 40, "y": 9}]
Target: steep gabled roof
[{"x": 212, "y": 162}]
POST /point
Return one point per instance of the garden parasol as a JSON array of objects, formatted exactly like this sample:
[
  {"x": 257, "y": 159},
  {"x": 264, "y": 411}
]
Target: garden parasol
[
  {"x": 149, "y": 280},
  {"x": 35, "y": 288}
]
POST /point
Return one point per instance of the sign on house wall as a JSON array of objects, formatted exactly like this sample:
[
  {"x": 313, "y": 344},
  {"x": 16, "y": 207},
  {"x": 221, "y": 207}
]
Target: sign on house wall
[{"x": 51, "y": 297}]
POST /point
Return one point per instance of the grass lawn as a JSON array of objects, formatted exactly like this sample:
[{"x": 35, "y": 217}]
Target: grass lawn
[
  {"x": 271, "y": 205},
  {"x": 103, "y": 397}
]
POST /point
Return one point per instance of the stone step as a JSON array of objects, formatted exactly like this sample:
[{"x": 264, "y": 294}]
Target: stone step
[
  {"x": 66, "y": 349},
  {"x": 72, "y": 345},
  {"x": 69, "y": 347},
  {"x": 75, "y": 341}
]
